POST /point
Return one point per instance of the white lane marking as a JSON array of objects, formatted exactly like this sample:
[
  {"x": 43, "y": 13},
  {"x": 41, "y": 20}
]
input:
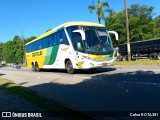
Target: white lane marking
[
  {"x": 82, "y": 77},
  {"x": 138, "y": 69}
]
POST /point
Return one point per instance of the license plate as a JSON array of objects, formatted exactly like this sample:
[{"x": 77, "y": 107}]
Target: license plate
[{"x": 104, "y": 64}]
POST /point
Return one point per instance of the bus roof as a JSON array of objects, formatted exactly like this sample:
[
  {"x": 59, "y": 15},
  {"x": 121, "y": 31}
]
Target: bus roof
[
  {"x": 67, "y": 24},
  {"x": 82, "y": 23}
]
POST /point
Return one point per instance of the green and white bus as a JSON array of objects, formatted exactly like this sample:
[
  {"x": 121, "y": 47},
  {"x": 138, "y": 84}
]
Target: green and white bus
[{"x": 71, "y": 46}]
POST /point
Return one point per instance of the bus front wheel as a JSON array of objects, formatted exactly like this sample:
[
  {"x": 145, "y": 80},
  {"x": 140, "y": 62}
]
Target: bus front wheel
[
  {"x": 158, "y": 56},
  {"x": 69, "y": 67}
]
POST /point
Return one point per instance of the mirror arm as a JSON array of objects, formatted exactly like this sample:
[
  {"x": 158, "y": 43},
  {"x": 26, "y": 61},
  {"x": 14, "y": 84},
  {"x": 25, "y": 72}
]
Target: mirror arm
[
  {"x": 82, "y": 33},
  {"x": 115, "y": 33}
]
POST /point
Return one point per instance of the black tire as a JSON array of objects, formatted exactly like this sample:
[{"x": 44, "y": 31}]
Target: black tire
[
  {"x": 33, "y": 67},
  {"x": 69, "y": 67},
  {"x": 119, "y": 58},
  {"x": 124, "y": 58},
  {"x": 153, "y": 56},
  {"x": 133, "y": 57},
  {"x": 158, "y": 56},
  {"x": 37, "y": 69},
  {"x": 150, "y": 56}
]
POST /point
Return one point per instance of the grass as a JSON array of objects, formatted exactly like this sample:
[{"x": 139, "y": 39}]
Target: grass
[
  {"x": 53, "y": 107},
  {"x": 138, "y": 62}
]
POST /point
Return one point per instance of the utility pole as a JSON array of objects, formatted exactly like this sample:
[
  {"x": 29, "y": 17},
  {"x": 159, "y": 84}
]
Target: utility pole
[
  {"x": 22, "y": 37},
  {"x": 127, "y": 29}
]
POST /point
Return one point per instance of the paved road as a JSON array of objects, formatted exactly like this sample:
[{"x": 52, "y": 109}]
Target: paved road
[{"x": 109, "y": 89}]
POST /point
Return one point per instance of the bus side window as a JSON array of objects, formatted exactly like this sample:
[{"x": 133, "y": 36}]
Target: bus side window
[
  {"x": 51, "y": 40},
  {"x": 54, "y": 39},
  {"x": 63, "y": 38},
  {"x": 60, "y": 37},
  {"x": 57, "y": 38},
  {"x": 46, "y": 42},
  {"x": 40, "y": 44},
  {"x": 43, "y": 43},
  {"x": 35, "y": 46},
  {"x": 27, "y": 50},
  {"x": 31, "y": 47}
]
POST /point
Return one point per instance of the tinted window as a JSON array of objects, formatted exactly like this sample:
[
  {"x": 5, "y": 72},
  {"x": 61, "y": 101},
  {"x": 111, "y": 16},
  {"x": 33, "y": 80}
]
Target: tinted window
[
  {"x": 70, "y": 31},
  {"x": 77, "y": 42},
  {"x": 40, "y": 44},
  {"x": 63, "y": 38},
  {"x": 51, "y": 40}
]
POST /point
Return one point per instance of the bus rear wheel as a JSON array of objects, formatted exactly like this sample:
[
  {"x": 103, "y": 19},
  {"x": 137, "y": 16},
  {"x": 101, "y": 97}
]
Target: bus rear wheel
[
  {"x": 37, "y": 69},
  {"x": 69, "y": 67},
  {"x": 33, "y": 67}
]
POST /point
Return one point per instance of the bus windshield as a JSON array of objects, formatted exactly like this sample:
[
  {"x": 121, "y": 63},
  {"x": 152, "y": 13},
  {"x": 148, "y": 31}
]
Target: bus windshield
[{"x": 97, "y": 40}]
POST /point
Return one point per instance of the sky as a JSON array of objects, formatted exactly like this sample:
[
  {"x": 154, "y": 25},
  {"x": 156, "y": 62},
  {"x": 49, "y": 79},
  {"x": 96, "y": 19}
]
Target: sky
[{"x": 37, "y": 16}]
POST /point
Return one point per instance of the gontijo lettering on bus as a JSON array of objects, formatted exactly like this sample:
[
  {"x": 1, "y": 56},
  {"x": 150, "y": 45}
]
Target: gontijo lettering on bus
[{"x": 39, "y": 53}]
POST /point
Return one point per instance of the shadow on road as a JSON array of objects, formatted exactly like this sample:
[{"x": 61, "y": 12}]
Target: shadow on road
[
  {"x": 1, "y": 74},
  {"x": 99, "y": 70},
  {"x": 2, "y": 66},
  {"x": 131, "y": 91}
]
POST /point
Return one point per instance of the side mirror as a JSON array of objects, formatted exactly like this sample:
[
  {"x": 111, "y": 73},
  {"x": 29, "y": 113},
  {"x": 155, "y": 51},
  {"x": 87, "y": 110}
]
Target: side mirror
[
  {"x": 115, "y": 33},
  {"x": 82, "y": 34}
]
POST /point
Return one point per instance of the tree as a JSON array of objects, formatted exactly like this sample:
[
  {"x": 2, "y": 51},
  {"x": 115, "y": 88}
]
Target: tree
[
  {"x": 157, "y": 26},
  {"x": 116, "y": 22},
  {"x": 99, "y": 8},
  {"x": 29, "y": 39},
  {"x": 14, "y": 49},
  {"x": 18, "y": 47},
  {"x": 48, "y": 29},
  {"x": 1, "y": 52},
  {"x": 141, "y": 23},
  {"x": 8, "y": 52}
]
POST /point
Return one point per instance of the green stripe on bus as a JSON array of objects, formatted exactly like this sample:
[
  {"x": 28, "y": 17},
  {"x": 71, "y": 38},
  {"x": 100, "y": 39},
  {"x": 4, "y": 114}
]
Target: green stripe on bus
[
  {"x": 48, "y": 55},
  {"x": 51, "y": 55}
]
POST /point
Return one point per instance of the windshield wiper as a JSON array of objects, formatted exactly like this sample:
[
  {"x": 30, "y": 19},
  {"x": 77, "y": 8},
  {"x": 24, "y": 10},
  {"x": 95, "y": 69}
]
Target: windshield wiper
[
  {"x": 103, "y": 45},
  {"x": 99, "y": 42},
  {"x": 99, "y": 47}
]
